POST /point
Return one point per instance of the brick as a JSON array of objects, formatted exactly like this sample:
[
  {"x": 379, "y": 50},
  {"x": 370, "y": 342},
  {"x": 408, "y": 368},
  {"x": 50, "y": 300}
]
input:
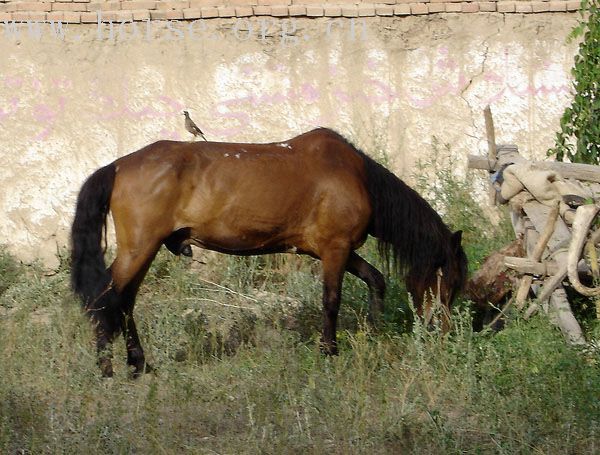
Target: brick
[
  {"x": 203, "y": 3},
  {"x": 573, "y": 5},
  {"x": 384, "y": 10},
  {"x": 158, "y": 15},
  {"x": 103, "y": 6},
  {"x": 34, "y": 6},
  {"x": 332, "y": 11},
  {"x": 540, "y": 7},
  {"x": 62, "y": 6},
  {"x": 274, "y": 2},
  {"x": 487, "y": 7},
  {"x": 402, "y": 10},
  {"x": 243, "y": 11},
  {"x": 314, "y": 11},
  {"x": 79, "y": 1},
  {"x": 6, "y": 17},
  {"x": 192, "y": 13},
  {"x": 419, "y": 8},
  {"x": 137, "y": 5},
  {"x": 20, "y": 16},
  {"x": 453, "y": 7},
  {"x": 469, "y": 7},
  {"x": 172, "y": 5},
  {"x": 115, "y": 16},
  {"x": 35, "y": 16},
  {"x": 226, "y": 11},
  {"x": 523, "y": 7},
  {"x": 89, "y": 17},
  {"x": 72, "y": 17},
  {"x": 141, "y": 15},
  {"x": 174, "y": 14},
  {"x": 239, "y": 2},
  {"x": 349, "y": 11},
  {"x": 209, "y": 11},
  {"x": 437, "y": 8},
  {"x": 366, "y": 10},
  {"x": 506, "y": 7},
  {"x": 8, "y": 7},
  {"x": 261, "y": 10},
  {"x": 279, "y": 10},
  {"x": 297, "y": 10},
  {"x": 55, "y": 16},
  {"x": 558, "y": 6}
]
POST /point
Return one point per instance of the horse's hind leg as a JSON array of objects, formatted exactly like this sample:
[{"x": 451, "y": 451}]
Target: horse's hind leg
[
  {"x": 105, "y": 316},
  {"x": 135, "y": 352},
  {"x": 334, "y": 264},
  {"x": 129, "y": 270},
  {"x": 374, "y": 279}
]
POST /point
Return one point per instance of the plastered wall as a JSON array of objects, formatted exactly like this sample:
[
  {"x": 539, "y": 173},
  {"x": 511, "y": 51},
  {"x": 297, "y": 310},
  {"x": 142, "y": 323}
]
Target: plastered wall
[{"x": 76, "y": 96}]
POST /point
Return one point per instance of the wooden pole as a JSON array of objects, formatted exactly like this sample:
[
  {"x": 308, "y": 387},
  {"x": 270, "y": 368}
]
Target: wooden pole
[
  {"x": 585, "y": 172},
  {"x": 492, "y": 151}
]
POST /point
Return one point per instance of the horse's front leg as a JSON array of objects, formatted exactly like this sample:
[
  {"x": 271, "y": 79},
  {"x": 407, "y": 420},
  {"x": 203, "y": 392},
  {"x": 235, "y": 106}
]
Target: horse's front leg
[{"x": 334, "y": 264}]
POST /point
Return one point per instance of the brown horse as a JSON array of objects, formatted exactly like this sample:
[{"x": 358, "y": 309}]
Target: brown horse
[{"x": 315, "y": 194}]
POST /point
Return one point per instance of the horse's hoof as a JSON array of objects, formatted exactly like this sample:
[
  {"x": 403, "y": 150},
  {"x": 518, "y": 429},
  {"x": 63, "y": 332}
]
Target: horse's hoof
[
  {"x": 106, "y": 368},
  {"x": 139, "y": 371},
  {"x": 328, "y": 349}
]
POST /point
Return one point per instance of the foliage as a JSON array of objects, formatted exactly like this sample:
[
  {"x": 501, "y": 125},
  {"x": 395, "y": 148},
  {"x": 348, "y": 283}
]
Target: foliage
[
  {"x": 579, "y": 137},
  {"x": 10, "y": 270}
]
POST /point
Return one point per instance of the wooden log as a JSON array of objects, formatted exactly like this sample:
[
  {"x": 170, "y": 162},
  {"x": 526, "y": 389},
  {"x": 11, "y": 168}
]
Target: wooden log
[
  {"x": 546, "y": 268},
  {"x": 585, "y": 172},
  {"x": 529, "y": 266},
  {"x": 561, "y": 315}
]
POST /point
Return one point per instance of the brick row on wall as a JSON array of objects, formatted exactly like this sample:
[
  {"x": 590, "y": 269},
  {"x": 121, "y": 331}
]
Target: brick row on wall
[{"x": 87, "y": 11}]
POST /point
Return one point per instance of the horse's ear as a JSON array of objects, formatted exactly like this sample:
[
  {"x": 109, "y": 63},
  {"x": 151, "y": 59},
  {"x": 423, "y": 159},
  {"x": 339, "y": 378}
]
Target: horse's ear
[{"x": 456, "y": 239}]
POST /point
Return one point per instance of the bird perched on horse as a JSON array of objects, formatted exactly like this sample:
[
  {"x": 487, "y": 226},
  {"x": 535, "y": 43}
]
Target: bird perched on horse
[{"x": 192, "y": 127}]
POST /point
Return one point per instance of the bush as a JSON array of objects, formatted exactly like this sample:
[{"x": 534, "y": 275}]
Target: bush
[{"x": 579, "y": 137}]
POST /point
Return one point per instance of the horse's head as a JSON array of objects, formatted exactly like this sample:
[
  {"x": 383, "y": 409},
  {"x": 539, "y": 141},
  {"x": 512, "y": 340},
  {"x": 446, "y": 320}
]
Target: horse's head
[{"x": 440, "y": 283}]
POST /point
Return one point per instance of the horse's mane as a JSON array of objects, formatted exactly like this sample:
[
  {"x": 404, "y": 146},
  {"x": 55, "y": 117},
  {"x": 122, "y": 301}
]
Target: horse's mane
[{"x": 411, "y": 234}]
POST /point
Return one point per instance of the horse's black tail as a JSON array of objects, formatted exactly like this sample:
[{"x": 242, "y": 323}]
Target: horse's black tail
[{"x": 89, "y": 276}]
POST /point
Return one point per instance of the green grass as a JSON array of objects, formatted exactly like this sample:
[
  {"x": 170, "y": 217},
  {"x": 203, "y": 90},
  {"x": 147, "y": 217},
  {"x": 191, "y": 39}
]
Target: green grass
[{"x": 238, "y": 370}]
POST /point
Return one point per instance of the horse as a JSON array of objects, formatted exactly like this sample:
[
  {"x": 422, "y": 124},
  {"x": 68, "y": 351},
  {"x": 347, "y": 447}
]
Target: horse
[{"x": 315, "y": 194}]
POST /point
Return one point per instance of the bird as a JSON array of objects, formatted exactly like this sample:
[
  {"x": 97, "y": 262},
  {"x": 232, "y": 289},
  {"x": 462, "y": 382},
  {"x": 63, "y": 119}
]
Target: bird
[{"x": 191, "y": 126}]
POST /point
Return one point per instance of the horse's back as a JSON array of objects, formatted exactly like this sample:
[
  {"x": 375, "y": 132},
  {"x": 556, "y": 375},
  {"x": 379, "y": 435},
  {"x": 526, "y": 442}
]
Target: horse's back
[{"x": 306, "y": 191}]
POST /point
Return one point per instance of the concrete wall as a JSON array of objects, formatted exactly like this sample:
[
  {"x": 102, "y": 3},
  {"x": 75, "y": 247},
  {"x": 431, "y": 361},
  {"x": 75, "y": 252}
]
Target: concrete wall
[{"x": 72, "y": 102}]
